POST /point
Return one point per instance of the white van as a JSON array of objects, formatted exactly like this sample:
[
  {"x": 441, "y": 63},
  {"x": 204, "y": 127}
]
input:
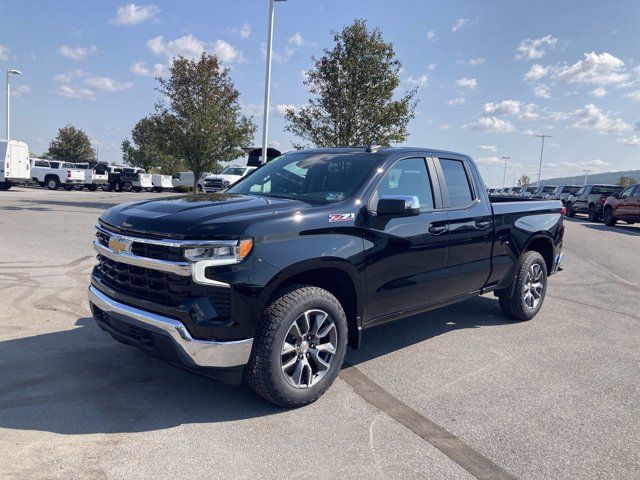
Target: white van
[
  {"x": 185, "y": 179},
  {"x": 161, "y": 182},
  {"x": 140, "y": 179},
  {"x": 14, "y": 163}
]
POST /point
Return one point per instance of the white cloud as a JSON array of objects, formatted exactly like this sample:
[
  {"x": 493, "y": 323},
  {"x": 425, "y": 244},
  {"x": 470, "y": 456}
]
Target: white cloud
[
  {"x": 432, "y": 36},
  {"x": 445, "y": 126},
  {"x": 133, "y": 14},
  {"x": 598, "y": 92},
  {"x": 536, "y": 72},
  {"x": 594, "y": 68},
  {"x": 107, "y": 84},
  {"x": 282, "y": 108},
  {"x": 141, "y": 69},
  {"x": 473, "y": 62},
  {"x": 76, "y": 53},
  {"x": 635, "y": 96},
  {"x": 75, "y": 92},
  {"x": 632, "y": 141},
  {"x": 592, "y": 118},
  {"x": 252, "y": 109},
  {"x": 296, "y": 39},
  {"x": 245, "y": 31},
  {"x": 505, "y": 107},
  {"x": 488, "y": 148},
  {"x": 456, "y": 101},
  {"x": 468, "y": 83},
  {"x": 556, "y": 169},
  {"x": 5, "y": 53},
  {"x": 20, "y": 90},
  {"x": 491, "y": 125},
  {"x": 459, "y": 23},
  {"x": 421, "y": 81},
  {"x": 227, "y": 52},
  {"x": 530, "y": 49},
  {"x": 542, "y": 91},
  {"x": 67, "y": 77},
  {"x": 191, "y": 47}
]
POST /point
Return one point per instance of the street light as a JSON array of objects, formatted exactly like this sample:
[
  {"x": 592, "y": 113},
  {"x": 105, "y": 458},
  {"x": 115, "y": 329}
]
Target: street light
[
  {"x": 267, "y": 82},
  {"x": 504, "y": 175},
  {"x": 586, "y": 175},
  {"x": 541, "y": 152},
  {"x": 10, "y": 71}
]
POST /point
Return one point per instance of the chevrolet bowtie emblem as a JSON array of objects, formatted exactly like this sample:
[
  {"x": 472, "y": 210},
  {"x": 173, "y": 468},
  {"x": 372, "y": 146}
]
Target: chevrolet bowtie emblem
[{"x": 119, "y": 245}]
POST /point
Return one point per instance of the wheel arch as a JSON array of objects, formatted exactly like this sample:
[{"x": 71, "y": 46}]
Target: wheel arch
[{"x": 544, "y": 246}]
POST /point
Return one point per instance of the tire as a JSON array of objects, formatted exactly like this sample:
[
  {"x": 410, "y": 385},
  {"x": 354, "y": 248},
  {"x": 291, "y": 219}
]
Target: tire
[
  {"x": 593, "y": 214},
  {"x": 92, "y": 187},
  {"x": 609, "y": 219},
  {"x": 267, "y": 373},
  {"x": 630, "y": 222},
  {"x": 4, "y": 186},
  {"x": 52, "y": 183},
  {"x": 125, "y": 187},
  {"x": 107, "y": 187},
  {"x": 522, "y": 302},
  {"x": 137, "y": 189},
  {"x": 158, "y": 189},
  {"x": 570, "y": 212},
  {"x": 68, "y": 188}
]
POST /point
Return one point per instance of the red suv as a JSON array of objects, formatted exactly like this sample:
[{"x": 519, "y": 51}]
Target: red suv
[{"x": 623, "y": 206}]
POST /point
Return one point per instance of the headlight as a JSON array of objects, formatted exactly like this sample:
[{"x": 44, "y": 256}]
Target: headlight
[
  {"x": 225, "y": 183},
  {"x": 224, "y": 253}
]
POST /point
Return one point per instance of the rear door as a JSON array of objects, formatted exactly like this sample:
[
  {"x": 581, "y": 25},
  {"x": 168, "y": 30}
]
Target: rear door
[
  {"x": 470, "y": 226},
  {"x": 406, "y": 257},
  {"x": 580, "y": 199},
  {"x": 634, "y": 208},
  {"x": 622, "y": 205}
]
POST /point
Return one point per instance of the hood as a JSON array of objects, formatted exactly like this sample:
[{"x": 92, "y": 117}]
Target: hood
[
  {"x": 224, "y": 176},
  {"x": 199, "y": 216}
]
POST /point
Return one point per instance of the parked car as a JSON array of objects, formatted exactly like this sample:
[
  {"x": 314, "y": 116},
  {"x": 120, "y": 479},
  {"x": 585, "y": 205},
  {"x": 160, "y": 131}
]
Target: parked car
[
  {"x": 623, "y": 206},
  {"x": 140, "y": 180},
  {"x": 541, "y": 192},
  {"x": 56, "y": 173},
  {"x": 272, "y": 279},
  {"x": 96, "y": 174},
  {"x": 562, "y": 193},
  {"x": 590, "y": 199},
  {"x": 161, "y": 182},
  {"x": 528, "y": 191},
  {"x": 14, "y": 163},
  {"x": 514, "y": 191},
  {"x": 230, "y": 175},
  {"x": 185, "y": 179}
]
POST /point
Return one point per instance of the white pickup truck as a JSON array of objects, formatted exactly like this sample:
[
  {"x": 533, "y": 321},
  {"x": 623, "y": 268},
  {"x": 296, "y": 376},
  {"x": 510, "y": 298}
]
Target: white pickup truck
[
  {"x": 140, "y": 180},
  {"x": 56, "y": 173},
  {"x": 14, "y": 163},
  {"x": 95, "y": 174},
  {"x": 229, "y": 176},
  {"x": 161, "y": 182}
]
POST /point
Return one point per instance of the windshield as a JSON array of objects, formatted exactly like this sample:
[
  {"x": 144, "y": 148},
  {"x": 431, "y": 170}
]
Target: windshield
[
  {"x": 233, "y": 171},
  {"x": 320, "y": 177}
]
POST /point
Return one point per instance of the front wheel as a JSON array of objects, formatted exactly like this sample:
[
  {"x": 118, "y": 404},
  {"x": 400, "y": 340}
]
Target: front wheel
[
  {"x": 593, "y": 214},
  {"x": 609, "y": 219},
  {"x": 525, "y": 299},
  {"x": 299, "y": 347},
  {"x": 53, "y": 183}
]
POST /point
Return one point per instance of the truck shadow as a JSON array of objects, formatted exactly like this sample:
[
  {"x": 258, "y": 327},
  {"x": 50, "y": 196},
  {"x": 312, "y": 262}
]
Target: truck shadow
[{"x": 80, "y": 381}]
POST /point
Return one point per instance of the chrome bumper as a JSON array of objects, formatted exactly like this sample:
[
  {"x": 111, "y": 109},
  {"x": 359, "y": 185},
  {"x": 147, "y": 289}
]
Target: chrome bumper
[{"x": 202, "y": 353}]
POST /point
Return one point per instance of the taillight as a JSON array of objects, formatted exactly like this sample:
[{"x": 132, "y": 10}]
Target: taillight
[
  {"x": 603, "y": 199},
  {"x": 68, "y": 173},
  {"x": 564, "y": 211}
]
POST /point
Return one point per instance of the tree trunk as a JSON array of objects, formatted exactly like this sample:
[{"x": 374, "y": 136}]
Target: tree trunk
[{"x": 196, "y": 177}]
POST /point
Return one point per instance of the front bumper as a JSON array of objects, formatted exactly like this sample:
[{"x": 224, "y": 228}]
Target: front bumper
[{"x": 143, "y": 327}]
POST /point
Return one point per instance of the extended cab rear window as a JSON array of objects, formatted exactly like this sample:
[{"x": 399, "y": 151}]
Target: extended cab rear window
[{"x": 457, "y": 181}]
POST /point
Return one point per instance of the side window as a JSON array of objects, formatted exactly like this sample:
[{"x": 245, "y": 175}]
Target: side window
[
  {"x": 407, "y": 177},
  {"x": 627, "y": 192},
  {"x": 457, "y": 181},
  {"x": 579, "y": 192}
]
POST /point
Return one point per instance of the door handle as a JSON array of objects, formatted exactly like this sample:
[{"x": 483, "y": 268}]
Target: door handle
[
  {"x": 482, "y": 224},
  {"x": 437, "y": 229}
]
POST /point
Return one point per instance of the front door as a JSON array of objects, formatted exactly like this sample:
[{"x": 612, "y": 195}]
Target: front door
[{"x": 406, "y": 257}]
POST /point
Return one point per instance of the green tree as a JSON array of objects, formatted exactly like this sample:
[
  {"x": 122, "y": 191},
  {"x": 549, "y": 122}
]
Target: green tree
[
  {"x": 625, "y": 181},
  {"x": 145, "y": 149},
  {"x": 202, "y": 123},
  {"x": 355, "y": 99},
  {"x": 524, "y": 181},
  {"x": 72, "y": 145}
]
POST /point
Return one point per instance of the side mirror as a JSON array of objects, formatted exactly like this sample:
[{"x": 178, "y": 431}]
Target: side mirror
[{"x": 398, "y": 205}]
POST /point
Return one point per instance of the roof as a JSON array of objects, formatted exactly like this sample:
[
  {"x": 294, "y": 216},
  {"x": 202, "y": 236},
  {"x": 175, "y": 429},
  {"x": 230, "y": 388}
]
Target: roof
[{"x": 387, "y": 151}]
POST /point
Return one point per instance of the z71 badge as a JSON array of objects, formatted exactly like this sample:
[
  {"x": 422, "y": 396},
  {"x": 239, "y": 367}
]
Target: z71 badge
[{"x": 341, "y": 217}]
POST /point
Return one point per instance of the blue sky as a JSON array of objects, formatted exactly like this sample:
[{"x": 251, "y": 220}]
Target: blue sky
[{"x": 491, "y": 74}]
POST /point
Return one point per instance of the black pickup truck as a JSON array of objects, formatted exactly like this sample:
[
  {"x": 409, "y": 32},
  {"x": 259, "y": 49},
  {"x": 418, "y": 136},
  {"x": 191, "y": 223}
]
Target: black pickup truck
[{"x": 271, "y": 280}]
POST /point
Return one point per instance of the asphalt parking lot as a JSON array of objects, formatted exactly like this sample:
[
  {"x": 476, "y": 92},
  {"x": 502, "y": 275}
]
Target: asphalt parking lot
[{"x": 440, "y": 395}]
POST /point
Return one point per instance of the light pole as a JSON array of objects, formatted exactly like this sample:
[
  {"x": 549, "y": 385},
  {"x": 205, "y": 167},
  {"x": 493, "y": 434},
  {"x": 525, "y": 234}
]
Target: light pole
[
  {"x": 10, "y": 71},
  {"x": 267, "y": 82},
  {"x": 504, "y": 175},
  {"x": 541, "y": 152},
  {"x": 586, "y": 175}
]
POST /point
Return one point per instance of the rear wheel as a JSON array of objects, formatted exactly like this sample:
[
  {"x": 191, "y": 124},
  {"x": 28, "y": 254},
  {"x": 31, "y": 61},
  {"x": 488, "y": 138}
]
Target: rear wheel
[
  {"x": 92, "y": 187},
  {"x": 299, "y": 348},
  {"x": 137, "y": 189},
  {"x": 5, "y": 186},
  {"x": 593, "y": 214},
  {"x": 524, "y": 300},
  {"x": 157, "y": 189},
  {"x": 570, "y": 212},
  {"x": 52, "y": 183},
  {"x": 609, "y": 219},
  {"x": 68, "y": 188}
]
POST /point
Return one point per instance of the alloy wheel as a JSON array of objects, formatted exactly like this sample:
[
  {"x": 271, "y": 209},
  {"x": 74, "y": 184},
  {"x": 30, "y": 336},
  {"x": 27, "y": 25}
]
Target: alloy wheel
[
  {"x": 308, "y": 349},
  {"x": 533, "y": 286}
]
